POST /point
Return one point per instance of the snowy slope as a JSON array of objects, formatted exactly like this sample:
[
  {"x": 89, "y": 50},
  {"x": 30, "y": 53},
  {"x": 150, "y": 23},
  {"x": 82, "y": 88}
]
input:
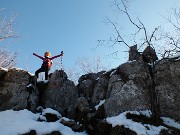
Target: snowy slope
[
  {"x": 23, "y": 121},
  {"x": 19, "y": 122}
]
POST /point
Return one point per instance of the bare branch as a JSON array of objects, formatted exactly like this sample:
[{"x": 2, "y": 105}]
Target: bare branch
[
  {"x": 7, "y": 59},
  {"x": 119, "y": 38},
  {"x": 152, "y": 35},
  {"x": 6, "y": 27}
]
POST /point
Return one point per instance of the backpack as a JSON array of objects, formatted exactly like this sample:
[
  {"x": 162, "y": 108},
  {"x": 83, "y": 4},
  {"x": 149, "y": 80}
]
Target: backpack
[
  {"x": 47, "y": 63},
  {"x": 50, "y": 63}
]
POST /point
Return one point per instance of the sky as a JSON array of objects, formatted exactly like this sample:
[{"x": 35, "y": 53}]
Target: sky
[{"x": 74, "y": 26}]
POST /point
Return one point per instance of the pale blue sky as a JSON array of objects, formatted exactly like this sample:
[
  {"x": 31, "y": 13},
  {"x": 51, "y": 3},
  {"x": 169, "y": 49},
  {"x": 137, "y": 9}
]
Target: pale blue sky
[{"x": 73, "y": 26}]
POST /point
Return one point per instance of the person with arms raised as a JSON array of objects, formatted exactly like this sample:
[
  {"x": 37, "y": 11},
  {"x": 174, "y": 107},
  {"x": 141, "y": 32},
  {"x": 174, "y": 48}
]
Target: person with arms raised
[{"x": 47, "y": 63}]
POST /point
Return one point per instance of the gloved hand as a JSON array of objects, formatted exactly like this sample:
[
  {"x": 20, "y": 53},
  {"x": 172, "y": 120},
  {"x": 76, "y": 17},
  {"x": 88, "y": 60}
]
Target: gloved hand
[{"x": 62, "y": 53}]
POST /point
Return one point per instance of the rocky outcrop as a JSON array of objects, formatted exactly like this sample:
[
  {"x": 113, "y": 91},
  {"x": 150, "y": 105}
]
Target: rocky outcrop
[
  {"x": 61, "y": 94},
  {"x": 167, "y": 80},
  {"x": 87, "y": 84},
  {"x": 14, "y": 93},
  {"x": 82, "y": 108},
  {"x": 98, "y": 95},
  {"x": 3, "y": 72},
  {"x": 133, "y": 53},
  {"x": 128, "y": 89},
  {"x": 149, "y": 55},
  {"x": 100, "y": 89}
]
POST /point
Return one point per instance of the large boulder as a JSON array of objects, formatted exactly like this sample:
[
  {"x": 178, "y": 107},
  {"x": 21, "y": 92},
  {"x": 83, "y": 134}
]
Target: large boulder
[
  {"x": 3, "y": 71},
  {"x": 14, "y": 93},
  {"x": 100, "y": 90},
  {"x": 149, "y": 55},
  {"x": 61, "y": 94},
  {"x": 167, "y": 80},
  {"x": 83, "y": 108},
  {"x": 133, "y": 53},
  {"x": 87, "y": 84},
  {"x": 86, "y": 88},
  {"x": 90, "y": 76},
  {"x": 128, "y": 89}
]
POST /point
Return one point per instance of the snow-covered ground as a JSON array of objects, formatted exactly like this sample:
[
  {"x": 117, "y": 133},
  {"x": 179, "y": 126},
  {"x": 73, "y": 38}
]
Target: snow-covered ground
[
  {"x": 23, "y": 121},
  {"x": 139, "y": 128}
]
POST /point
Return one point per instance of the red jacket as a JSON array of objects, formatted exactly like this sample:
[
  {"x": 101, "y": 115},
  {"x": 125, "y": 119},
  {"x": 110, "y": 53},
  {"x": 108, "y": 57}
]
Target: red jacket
[{"x": 47, "y": 62}]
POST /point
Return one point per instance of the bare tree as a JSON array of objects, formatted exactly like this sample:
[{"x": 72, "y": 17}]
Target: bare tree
[
  {"x": 90, "y": 65},
  {"x": 141, "y": 38},
  {"x": 73, "y": 74},
  {"x": 171, "y": 36},
  {"x": 7, "y": 58},
  {"x": 6, "y": 26},
  {"x": 140, "y": 35},
  {"x": 85, "y": 65}
]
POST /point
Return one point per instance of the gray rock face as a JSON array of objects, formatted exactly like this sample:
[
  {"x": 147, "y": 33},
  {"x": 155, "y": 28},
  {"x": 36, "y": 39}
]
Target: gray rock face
[
  {"x": 115, "y": 84},
  {"x": 100, "y": 90},
  {"x": 61, "y": 94},
  {"x": 130, "y": 97},
  {"x": 86, "y": 88},
  {"x": 83, "y": 108},
  {"x": 13, "y": 91},
  {"x": 167, "y": 80},
  {"x": 90, "y": 76},
  {"x": 149, "y": 55},
  {"x": 133, "y": 53},
  {"x": 82, "y": 104},
  {"x": 128, "y": 89},
  {"x": 2, "y": 72},
  {"x": 87, "y": 84}
]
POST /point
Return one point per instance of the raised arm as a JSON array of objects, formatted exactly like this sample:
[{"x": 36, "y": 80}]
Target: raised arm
[
  {"x": 57, "y": 55},
  {"x": 38, "y": 56}
]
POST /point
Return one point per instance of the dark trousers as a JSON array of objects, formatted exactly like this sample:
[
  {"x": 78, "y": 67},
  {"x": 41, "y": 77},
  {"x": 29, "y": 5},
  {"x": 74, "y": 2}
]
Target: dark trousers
[{"x": 43, "y": 69}]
